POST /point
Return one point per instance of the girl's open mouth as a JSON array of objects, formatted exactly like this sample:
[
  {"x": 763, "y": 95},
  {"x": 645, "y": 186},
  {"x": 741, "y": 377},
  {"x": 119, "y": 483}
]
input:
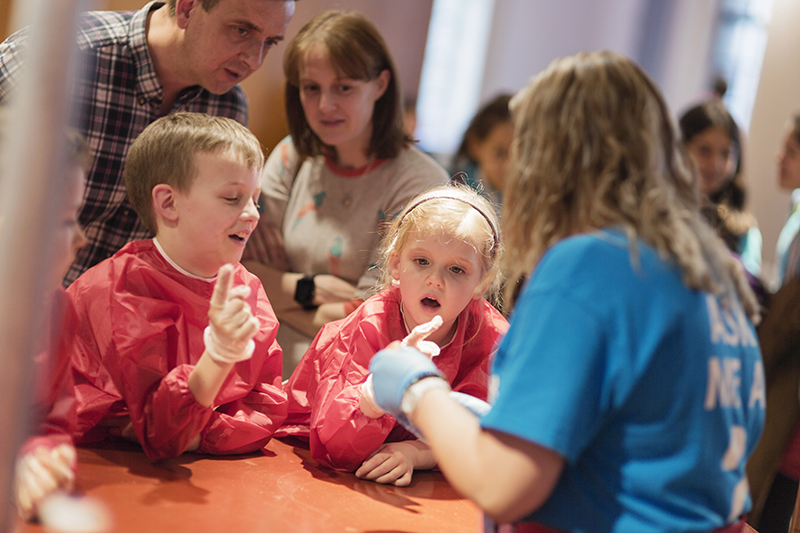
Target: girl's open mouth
[{"x": 430, "y": 303}]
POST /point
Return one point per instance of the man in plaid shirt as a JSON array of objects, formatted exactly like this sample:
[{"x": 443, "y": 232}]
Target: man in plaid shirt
[{"x": 185, "y": 55}]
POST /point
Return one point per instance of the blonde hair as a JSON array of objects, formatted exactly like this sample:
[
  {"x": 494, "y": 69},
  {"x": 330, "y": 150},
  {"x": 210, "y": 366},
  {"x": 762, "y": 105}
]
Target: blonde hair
[
  {"x": 594, "y": 147},
  {"x": 164, "y": 153},
  {"x": 461, "y": 213}
]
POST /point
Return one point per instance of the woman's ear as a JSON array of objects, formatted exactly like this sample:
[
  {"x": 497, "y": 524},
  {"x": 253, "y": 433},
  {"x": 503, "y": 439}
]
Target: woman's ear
[
  {"x": 383, "y": 83},
  {"x": 164, "y": 202}
]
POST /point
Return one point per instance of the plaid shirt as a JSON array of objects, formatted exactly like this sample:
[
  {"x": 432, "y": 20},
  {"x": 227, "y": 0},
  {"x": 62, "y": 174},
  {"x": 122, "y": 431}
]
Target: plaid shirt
[{"x": 117, "y": 96}]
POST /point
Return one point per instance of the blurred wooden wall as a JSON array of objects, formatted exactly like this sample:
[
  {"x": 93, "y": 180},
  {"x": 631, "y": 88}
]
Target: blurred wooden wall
[{"x": 403, "y": 23}]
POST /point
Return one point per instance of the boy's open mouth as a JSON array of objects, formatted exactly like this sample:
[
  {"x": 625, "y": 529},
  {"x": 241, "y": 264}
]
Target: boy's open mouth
[{"x": 241, "y": 236}]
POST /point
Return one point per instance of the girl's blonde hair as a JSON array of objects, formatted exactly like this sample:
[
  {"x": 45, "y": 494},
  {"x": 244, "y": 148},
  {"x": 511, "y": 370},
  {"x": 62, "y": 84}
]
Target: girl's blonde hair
[
  {"x": 594, "y": 147},
  {"x": 461, "y": 213}
]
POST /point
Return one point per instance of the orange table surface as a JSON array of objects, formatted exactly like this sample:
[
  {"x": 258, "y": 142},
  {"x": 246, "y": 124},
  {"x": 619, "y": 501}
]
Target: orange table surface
[{"x": 278, "y": 489}]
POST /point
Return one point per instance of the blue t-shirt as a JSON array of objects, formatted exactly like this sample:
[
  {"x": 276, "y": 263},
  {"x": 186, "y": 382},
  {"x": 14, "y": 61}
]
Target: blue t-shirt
[{"x": 653, "y": 393}]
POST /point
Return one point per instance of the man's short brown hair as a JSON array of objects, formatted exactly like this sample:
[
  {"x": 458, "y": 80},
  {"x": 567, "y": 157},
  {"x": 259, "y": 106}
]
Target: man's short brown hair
[
  {"x": 208, "y": 5},
  {"x": 164, "y": 153}
]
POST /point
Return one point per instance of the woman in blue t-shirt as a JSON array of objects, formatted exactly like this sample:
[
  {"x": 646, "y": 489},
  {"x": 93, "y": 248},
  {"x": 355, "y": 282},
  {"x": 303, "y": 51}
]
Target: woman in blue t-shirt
[{"x": 629, "y": 390}]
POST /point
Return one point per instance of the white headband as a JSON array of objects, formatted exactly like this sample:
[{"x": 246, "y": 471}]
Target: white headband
[{"x": 438, "y": 195}]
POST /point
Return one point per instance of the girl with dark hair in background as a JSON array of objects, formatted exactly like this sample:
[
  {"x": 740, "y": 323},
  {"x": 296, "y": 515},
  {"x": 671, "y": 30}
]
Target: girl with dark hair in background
[{"x": 482, "y": 157}]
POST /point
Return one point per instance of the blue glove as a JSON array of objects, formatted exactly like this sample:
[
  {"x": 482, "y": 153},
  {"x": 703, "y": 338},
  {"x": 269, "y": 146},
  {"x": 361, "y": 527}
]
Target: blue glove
[
  {"x": 475, "y": 405},
  {"x": 393, "y": 371}
]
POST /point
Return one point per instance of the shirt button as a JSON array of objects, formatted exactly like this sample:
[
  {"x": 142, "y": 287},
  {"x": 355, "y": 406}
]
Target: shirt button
[{"x": 142, "y": 100}]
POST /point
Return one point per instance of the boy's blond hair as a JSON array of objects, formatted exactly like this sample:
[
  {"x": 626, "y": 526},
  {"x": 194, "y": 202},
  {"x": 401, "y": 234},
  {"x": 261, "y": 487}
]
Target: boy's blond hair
[
  {"x": 461, "y": 213},
  {"x": 594, "y": 147},
  {"x": 164, "y": 153}
]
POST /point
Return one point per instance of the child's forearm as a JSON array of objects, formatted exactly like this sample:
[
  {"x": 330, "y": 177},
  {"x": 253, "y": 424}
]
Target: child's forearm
[
  {"x": 207, "y": 379},
  {"x": 310, "y": 322}
]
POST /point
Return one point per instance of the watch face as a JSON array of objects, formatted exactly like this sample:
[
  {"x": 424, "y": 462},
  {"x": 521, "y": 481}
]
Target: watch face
[{"x": 304, "y": 292}]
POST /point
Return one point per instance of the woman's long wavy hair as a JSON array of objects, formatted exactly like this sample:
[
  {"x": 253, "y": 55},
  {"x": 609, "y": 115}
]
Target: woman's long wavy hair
[{"x": 594, "y": 147}]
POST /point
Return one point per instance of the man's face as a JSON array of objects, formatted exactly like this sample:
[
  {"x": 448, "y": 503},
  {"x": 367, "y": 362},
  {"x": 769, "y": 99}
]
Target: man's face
[{"x": 224, "y": 46}]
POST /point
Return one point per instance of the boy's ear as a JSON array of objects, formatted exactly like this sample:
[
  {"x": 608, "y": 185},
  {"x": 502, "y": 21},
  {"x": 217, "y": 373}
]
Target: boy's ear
[
  {"x": 164, "y": 202},
  {"x": 482, "y": 287},
  {"x": 394, "y": 265}
]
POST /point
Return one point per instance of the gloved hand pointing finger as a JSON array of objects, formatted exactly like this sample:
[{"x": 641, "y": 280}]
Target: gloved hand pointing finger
[
  {"x": 231, "y": 324},
  {"x": 416, "y": 339}
]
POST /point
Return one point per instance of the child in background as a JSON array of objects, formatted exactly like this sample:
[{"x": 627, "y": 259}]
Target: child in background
[
  {"x": 47, "y": 460},
  {"x": 787, "y": 249},
  {"x": 712, "y": 138},
  {"x": 774, "y": 468},
  {"x": 629, "y": 391},
  {"x": 177, "y": 345},
  {"x": 483, "y": 154},
  {"x": 440, "y": 257}
]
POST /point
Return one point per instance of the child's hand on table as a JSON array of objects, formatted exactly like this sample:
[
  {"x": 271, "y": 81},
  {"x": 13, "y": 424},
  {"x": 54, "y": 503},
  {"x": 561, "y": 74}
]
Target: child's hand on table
[
  {"x": 42, "y": 472},
  {"x": 394, "y": 463}
]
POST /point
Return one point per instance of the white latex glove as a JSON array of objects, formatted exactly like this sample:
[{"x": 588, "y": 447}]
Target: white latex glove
[
  {"x": 231, "y": 324},
  {"x": 41, "y": 473},
  {"x": 416, "y": 339},
  {"x": 367, "y": 400}
]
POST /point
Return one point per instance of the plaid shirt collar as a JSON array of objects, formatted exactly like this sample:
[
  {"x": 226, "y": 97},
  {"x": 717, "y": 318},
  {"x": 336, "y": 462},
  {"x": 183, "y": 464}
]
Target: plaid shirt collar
[{"x": 148, "y": 85}]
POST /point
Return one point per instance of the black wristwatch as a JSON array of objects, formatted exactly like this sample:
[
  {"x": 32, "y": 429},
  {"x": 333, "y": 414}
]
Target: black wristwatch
[{"x": 304, "y": 292}]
